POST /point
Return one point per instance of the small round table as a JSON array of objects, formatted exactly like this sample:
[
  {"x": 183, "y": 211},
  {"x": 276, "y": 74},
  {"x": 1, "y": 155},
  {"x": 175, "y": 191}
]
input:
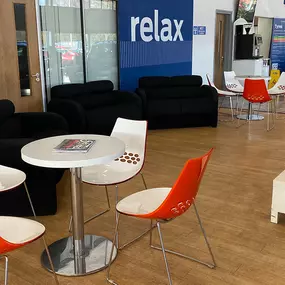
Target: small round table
[
  {"x": 252, "y": 77},
  {"x": 249, "y": 117},
  {"x": 80, "y": 254}
]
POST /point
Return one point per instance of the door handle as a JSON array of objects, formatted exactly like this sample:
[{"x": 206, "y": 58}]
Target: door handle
[{"x": 37, "y": 77}]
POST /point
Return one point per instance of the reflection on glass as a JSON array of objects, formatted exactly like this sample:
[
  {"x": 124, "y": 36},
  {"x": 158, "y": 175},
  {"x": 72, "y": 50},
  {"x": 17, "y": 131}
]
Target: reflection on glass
[
  {"x": 101, "y": 41},
  {"x": 22, "y": 47},
  {"x": 62, "y": 42}
]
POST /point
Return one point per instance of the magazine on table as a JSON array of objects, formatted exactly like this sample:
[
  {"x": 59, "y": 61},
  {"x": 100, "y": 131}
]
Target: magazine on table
[{"x": 74, "y": 145}]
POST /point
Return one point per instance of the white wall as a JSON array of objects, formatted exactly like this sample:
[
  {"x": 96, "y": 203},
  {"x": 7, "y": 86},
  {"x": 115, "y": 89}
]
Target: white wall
[
  {"x": 265, "y": 29},
  {"x": 204, "y": 46},
  {"x": 270, "y": 8}
]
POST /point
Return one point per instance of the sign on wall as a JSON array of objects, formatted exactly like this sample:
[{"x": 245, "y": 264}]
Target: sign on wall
[
  {"x": 199, "y": 30},
  {"x": 278, "y": 45},
  {"x": 155, "y": 39}
]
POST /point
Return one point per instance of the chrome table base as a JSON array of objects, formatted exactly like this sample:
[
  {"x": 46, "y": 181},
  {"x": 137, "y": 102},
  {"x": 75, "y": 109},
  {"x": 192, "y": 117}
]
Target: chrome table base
[
  {"x": 95, "y": 258},
  {"x": 80, "y": 254},
  {"x": 250, "y": 117}
]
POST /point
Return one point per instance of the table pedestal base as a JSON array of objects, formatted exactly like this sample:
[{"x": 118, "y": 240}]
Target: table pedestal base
[
  {"x": 96, "y": 257},
  {"x": 250, "y": 117}
]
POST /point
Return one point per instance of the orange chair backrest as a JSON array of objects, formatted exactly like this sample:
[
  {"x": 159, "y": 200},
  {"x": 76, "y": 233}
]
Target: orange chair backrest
[
  {"x": 255, "y": 91},
  {"x": 184, "y": 190}
]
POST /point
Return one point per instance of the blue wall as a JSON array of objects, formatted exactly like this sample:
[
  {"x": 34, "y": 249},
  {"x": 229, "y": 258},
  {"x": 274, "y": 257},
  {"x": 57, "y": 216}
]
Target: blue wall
[{"x": 155, "y": 38}]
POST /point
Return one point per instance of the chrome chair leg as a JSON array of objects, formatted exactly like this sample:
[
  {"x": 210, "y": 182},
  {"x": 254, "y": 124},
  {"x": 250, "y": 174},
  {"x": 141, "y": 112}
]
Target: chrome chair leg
[
  {"x": 271, "y": 113},
  {"x": 144, "y": 183},
  {"x": 231, "y": 106},
  {"x": 117, "y": 215},
  {"x": 144, "y": 233},
  {"x": 150, "y": 234},
  {"x": 237, "y": 103},
  {"x": 112, "y": 251},
  {"x": 241, "y": 109},
  {"x": 204, "y": 234},
  {"x": 164, "y": 253},
  {"x": 43, "y": 237},
  {"x": 95, "y": 216},
  {"x": 222, "y": 102},
  {"x": 210, "y": 265},
  {"x": 6, "y": 269},
  {"x": 232, "y": 110}
]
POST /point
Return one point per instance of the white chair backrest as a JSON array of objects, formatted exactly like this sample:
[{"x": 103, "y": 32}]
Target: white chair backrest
[
  {"x": 10, "y": 178},
  {"x": 133, "y": 133},
  {"x": 280, "y": 85},
  {"x": 230, "y": 80},
  {"x": 211, "y": 82}
]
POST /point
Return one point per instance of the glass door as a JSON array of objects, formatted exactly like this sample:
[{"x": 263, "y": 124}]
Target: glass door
[{"x": 20, "y": 78}]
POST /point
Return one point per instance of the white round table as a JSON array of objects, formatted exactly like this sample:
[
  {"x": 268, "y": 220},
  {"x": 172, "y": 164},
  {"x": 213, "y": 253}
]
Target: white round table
[
  {"x": 252, "y": 77},
  {"x": 80, "y": 254},
  {"x": 252, "y": 117}
]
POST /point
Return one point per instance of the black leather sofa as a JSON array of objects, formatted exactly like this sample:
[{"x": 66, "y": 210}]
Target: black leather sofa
[
  {"x": 16, "y": 130},
  {"x": 94, "y": 107},
  {"x": 177, "y": 102}
]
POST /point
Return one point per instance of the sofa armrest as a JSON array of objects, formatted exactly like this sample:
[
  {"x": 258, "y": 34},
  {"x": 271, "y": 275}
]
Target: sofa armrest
[
  {"x": 72, "y": 111},
  {"x": 10, "y": 155},
  {"x": 211, "y": 92},
  {"x": 141, "y": 93},
  {"x": 10, "y": 152},
  {"x": 35, "y": 123},
  {"x": 125, "y": 96}
]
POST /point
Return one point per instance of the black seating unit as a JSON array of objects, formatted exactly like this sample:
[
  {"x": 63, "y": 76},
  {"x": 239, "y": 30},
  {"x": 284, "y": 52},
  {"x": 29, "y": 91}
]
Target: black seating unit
[
  {"x": 177, "y": 102},
  {"x": 94, "y": 107},
  {"x": 16, "y": 130}
]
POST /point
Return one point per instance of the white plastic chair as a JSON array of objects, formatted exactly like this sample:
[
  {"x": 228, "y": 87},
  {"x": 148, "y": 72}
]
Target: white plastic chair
[
  {"x": 133, "y": 134},
  {"x": 278, "y": 89},
  {"x": 17, "y": 231},
  {"x": 232, "y": 83},
  {"x": 224, "y": 94}
]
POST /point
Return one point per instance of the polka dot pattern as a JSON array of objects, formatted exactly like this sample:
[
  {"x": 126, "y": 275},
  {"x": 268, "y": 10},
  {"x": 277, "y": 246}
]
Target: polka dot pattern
[{"x": 131, "y": 158}]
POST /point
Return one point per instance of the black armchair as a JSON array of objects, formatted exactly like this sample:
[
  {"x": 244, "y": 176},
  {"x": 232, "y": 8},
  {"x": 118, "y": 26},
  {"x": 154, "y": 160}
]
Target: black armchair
[
  {"x": 16, "y": 130},
  {"x": 94, "y": 107}
]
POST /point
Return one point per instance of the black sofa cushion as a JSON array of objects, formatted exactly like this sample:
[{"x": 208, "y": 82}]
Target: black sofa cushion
[
  {"x": 179, "y": 101},
  {"x": 175, "y": 81},
  {"x": 186, "y": 80},
  {"x": 172, "y": 87},
  {"x": 154, "y": 82},
  {"x": 174, "y": 92},
  {"x": 94, "y": 107},
  {"x": 80, "y": 89},
  {"x": 91, "y": 101}
]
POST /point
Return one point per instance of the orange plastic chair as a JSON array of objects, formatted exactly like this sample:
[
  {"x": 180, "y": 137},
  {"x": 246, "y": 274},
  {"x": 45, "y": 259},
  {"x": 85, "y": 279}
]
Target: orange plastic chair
[
  {"x": 255, "y": 91},
  {"x": 166, "y": 204}
]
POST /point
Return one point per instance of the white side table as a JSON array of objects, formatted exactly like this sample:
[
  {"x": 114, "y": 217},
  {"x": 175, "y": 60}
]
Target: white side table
[
  {"x": 278, "y": 197},
  {"x": 80, "y": 254}
]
